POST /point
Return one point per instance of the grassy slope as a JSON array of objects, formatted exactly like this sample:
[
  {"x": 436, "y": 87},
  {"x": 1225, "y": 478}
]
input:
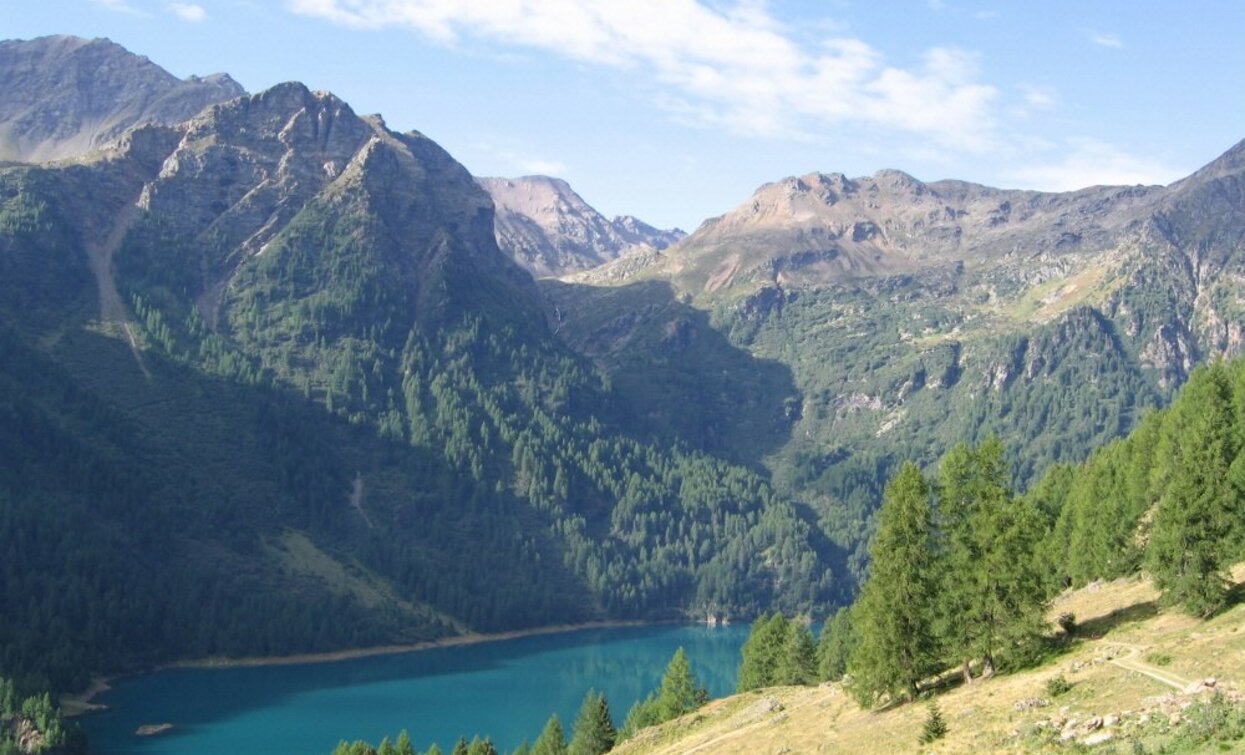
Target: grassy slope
[{"x": 1123, "y": 635}]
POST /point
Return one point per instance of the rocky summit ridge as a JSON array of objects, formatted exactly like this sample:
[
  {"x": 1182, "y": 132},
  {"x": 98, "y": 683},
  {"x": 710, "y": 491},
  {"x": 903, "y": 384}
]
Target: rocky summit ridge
[
  {"x": 547, "y": 228},
  {"x": 64, "y": 96}
]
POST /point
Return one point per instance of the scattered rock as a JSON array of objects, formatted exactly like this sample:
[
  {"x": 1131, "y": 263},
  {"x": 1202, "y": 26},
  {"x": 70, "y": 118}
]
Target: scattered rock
[
  {"x": 1093, "y": 724},
  {"x": 769, "y": 705},
  {"x": 1110, "y": 720},
  {"x": 1097, "y": 739},
  {"x": 151, "y": 730},
  {"x": 1030, "y": 703}
]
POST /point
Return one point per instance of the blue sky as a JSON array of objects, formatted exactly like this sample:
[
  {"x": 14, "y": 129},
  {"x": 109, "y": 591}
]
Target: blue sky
[{"x": 677, "y": 110}]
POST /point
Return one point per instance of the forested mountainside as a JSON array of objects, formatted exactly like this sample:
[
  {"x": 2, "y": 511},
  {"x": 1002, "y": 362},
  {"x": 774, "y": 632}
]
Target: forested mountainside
[
  {"x": 267, "y": 367},
  {"x": 269, "y": 386},
  {"x": 908, "y": 316}
]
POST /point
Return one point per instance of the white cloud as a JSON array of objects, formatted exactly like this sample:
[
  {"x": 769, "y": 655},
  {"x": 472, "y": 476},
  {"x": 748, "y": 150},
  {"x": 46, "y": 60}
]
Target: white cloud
[
  {"x": 1039, "y": 97},
  {"x": 188, "y": 12},
  {"x": 736, "y": 68},
  {"x": 540, "y": 166},
  {"x": 513, "y": 157},
  {"x": 118, "y": 6},
  {"x": 1090, "y": 162},
  {"x": 1106, "y": 39}
]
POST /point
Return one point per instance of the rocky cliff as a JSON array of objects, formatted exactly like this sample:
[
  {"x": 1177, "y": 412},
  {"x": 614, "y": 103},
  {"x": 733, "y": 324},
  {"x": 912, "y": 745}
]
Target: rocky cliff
[
  {"x": 550, "y": 230},
  {"x": 64, "y": 96}
]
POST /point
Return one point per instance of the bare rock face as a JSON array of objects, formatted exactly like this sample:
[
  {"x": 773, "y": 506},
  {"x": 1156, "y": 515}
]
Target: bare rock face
[
  {"x": 547, "y": 228},
  {"x": 820, "y": 228},
  {"x": 62, "y": 96}
]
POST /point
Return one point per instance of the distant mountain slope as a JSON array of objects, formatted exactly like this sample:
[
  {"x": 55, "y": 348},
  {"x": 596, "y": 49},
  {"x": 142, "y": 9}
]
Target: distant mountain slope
[
  {"x": 65, "y": 96},
  {"x": 547, "y": 228},
  {"x": 916, "y": 315},
  {"x": 270, "y": 385}
]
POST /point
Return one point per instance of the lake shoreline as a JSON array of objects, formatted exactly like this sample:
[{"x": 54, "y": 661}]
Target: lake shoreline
[{"x": 79, "y": 703}]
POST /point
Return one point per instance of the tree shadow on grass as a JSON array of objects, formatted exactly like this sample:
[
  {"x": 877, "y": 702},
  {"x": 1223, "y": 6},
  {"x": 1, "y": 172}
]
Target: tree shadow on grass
[{"x": 1098, "y": 626}]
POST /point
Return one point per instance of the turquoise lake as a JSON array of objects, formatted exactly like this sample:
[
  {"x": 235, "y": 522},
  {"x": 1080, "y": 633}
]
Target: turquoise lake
[{"x": 505, "y": 689}]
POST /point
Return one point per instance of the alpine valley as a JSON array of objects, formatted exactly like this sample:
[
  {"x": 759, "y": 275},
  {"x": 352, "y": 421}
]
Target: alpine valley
[{"x": 276, "y": 379}]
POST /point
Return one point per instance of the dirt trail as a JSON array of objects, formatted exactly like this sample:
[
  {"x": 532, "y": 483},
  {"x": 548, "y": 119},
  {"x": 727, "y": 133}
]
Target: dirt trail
[
  {"x": 764, "y": 719},
  {"x": 1133, "y": 663},
  {"x": 111, "y": 306}
]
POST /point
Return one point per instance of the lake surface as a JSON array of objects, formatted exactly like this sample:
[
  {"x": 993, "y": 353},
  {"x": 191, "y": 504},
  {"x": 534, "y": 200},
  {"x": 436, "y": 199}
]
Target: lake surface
[{"x": 505, "y": 689}]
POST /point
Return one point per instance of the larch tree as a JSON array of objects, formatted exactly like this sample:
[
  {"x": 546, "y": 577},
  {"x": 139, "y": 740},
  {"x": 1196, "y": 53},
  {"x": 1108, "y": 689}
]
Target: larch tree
[
  {"x": 761, "y": 653},
  {"x": 1189, "y": 550},
  {"x": 893, "y": 616},
  {"x": 594, "y": 727},
  {"x": 797, "y": 665},
  {"x": 679, "y": 692},
  {"x": 552, "y": 740}
]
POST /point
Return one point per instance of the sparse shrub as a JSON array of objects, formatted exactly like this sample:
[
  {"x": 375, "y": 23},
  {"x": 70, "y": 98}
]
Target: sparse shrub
[
  {"x": 935, "y": 725},
  {"x": 1213, "y": 720},
  {"x": 1057, "y": 685},
  {"x": 1159, "y": 659},
  {"x": 1067, "y": 622}
]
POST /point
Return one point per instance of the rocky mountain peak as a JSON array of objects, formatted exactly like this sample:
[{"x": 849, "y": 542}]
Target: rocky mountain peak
[
  {"x": 64, "y": 96},
  {"x": 547, "y": 228}
]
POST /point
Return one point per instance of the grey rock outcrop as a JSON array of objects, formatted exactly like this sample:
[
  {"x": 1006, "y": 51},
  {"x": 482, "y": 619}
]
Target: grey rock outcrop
[
  {"x": 547, "y": 228},
  {"x": 63, "y": 96}
]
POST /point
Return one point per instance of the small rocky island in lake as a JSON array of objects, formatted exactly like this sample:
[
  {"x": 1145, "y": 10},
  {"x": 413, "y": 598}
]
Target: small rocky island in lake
[{"x": 151, "y": 730}]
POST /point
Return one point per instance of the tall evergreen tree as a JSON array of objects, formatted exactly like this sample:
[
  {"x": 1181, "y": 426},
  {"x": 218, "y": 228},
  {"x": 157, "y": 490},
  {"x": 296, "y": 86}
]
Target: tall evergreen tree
[
  {"x": 594, "y": 727},
  {"x": 761, "y": 653},
  {"x": 893, "y": 616},
  {"x": 1190, "y": 541},
  {"x": 834, "y": 646},
  {"x": 958, "y": 547},
  {"x": 797, "y": 664},
  {"x": 679, "y": 691},
  {"x": 552, "y": 740},
  {"x": 991, "y": 591}
]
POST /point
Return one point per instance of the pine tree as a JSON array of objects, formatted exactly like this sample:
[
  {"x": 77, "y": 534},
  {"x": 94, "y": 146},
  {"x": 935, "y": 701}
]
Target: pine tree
[
  {"x": 386, "y": 748},
  {"x": 991, "y": 594},
  {"x": 834, "y": 646},
  {"x": 460, "y": 747},
  {"x": 552, "y": 740},
  {"x": 405, "y": 747},
  {"x": 761, "y": 653},
  {"x": 935, "y": 726},
  {"x": 643, "y": 714},
  {"x": 1190, "y": 541},
  {"x": 679, "y": 692},
  {"x": 594, "y": 727},
  {"x": 892, "y": 618},
  {"x": 798, "y": 663},
  {"x": 957, "y": 545},
  {"x": 481, "y": 747}
]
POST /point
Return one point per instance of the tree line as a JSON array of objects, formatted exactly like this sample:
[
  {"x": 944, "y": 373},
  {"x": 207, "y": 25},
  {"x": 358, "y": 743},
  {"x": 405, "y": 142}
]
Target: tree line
[{"x": 594, "y": 732}]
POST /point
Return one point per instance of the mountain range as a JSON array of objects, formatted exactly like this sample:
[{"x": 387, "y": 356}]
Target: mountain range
[{"x": 279, "y": 378}]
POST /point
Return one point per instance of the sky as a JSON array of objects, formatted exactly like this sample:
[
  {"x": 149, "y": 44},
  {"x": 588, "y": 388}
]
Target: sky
[{"x": 677, "y": 110}]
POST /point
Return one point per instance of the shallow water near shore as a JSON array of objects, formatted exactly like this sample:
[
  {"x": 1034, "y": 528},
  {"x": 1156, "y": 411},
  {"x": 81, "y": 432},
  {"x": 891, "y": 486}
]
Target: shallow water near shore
[{"x": 505, "y": 689}]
